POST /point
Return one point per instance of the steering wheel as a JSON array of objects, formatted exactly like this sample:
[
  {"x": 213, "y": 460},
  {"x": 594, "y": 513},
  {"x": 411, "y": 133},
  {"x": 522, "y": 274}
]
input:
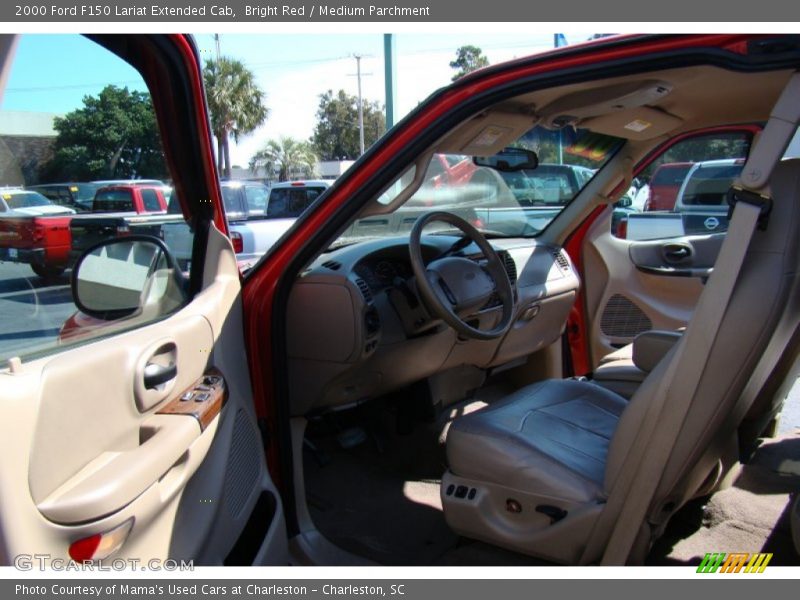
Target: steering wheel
[{"x": 455, "y": 288}]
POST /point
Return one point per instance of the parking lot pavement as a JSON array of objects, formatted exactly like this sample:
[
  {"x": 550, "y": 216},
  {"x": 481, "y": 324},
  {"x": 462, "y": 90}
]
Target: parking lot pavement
[
  {"x": 790, "y": 417},
  {"x": 32, "y": 310}
]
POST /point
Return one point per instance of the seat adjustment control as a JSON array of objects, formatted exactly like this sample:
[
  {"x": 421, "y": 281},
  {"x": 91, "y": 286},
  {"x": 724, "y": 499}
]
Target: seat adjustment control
[{"x": 555, "y": 513}]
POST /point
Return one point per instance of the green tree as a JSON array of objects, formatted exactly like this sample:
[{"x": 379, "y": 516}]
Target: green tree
[
  {"x": 114, "y": 135},
  {"x": 286, "y": 158},
  {"x": 235, "y": 103},
  {"x": 468, "y": 59},
  {"x": 336, "y": 132}
]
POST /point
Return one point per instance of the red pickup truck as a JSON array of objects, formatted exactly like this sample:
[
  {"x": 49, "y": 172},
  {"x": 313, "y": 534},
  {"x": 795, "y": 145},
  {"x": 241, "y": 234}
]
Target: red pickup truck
[
  {"x": 45, "y": 242},
  {"x": 118, "y": 210}
]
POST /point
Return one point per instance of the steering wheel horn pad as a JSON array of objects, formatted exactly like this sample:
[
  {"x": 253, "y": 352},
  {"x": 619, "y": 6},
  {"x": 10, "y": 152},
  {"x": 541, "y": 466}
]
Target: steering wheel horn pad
[{"x": 454, "y": 287}]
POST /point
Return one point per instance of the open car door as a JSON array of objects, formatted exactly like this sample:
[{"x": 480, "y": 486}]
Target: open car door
[{"x": 127, "y": 427}]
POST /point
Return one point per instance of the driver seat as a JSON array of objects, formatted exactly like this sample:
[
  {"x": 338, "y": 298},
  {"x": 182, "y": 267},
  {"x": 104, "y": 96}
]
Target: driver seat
[{"x": 533, "y": 471}]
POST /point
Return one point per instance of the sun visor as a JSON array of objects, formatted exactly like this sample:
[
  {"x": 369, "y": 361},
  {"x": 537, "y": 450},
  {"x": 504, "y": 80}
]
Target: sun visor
[
  {"x": 573, "y": 109},
  {"x": 487, "y": 133},
  {"x": 642, "y": 123}
]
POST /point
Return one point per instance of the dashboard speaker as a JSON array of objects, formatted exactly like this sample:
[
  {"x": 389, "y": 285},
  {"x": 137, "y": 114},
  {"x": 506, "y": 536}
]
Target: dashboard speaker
[
  {"x": 243, "y": 465},
  {"x": 622, "y": 318}
]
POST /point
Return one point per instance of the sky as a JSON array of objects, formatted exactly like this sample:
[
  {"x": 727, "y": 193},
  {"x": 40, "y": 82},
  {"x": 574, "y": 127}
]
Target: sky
[{"x": 52, "y": 73}]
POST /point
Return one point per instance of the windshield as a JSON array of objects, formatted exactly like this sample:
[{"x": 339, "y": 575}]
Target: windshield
[
  {"x": 499, "y": 203},
  {"x": 84, "y": 192},
  {"x": 26, "y": 200}
]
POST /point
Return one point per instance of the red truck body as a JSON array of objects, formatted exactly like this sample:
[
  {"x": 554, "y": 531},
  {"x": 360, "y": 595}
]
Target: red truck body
[
  {"x": 44, "y": 242},
  {"x": 664, "y": 186}
]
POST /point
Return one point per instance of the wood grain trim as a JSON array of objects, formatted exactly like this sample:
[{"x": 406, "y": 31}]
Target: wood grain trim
[{"x": 214, "y": 395}]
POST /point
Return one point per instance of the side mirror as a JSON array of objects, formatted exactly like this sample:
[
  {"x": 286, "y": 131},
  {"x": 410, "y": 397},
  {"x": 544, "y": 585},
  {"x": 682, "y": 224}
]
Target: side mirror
[
  {"x": 127, "y": 277},
  {"x": 509, "y": 159}
]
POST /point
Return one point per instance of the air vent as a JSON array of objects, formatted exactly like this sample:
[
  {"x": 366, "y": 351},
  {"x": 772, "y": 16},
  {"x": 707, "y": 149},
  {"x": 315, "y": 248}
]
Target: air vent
[
  {"x": 332, "y": 265},
  {"x": 622, "y": 318},
  {"x": 364, "y": 288},
  {"x": 510, "y": 266},
  {"x": 561, "y": 260}
]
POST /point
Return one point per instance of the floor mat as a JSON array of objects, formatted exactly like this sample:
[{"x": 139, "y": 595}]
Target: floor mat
[{"x": 380, "y": 498}]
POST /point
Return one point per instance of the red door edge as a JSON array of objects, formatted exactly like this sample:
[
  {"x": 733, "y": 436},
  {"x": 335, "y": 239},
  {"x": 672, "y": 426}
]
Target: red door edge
[{"x": 187, "y": 50}]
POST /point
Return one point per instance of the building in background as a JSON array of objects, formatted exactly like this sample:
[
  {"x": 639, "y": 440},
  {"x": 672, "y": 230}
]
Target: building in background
[{"x": 26, "y": 143}]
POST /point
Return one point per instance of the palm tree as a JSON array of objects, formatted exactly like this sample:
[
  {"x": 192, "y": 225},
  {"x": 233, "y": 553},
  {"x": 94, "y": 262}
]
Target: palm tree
[
  {"x": 235, "y": 102},
  {"x": 288, "y": 157}
]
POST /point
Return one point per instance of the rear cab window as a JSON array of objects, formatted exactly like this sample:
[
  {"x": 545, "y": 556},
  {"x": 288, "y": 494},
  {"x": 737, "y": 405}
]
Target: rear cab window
[
  {"x": 256, "y": 197},
  {"x": 150, "y": 200},
  {"x": 290, "y": 202}
]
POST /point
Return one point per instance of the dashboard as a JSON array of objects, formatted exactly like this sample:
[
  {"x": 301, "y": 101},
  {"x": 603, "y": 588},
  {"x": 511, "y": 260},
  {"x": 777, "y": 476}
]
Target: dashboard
[
  {"x": 381, "y": 272},
  {"x": 357, "y": 328}
]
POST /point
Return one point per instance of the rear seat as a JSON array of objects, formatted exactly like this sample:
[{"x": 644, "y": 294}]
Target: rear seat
[{"x": 623, "y": 370}]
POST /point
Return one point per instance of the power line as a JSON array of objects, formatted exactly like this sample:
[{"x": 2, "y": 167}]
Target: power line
[{"x": 75, "y": 86}]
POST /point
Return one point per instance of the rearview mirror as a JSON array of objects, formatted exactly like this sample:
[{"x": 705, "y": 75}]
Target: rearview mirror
[
  {"x": 509, "y": 159},
  {"x": 126, "y": 277}
]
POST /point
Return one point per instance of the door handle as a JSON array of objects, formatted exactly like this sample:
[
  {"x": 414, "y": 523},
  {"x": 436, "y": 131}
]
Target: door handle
[
  {"x": 676, "y": 252},
  {"x": 155, "y": 374}
]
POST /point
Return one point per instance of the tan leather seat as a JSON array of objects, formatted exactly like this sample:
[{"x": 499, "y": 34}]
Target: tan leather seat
[
  {"x": 563, "y": 421},
  {"x": 533, "y": 472}
]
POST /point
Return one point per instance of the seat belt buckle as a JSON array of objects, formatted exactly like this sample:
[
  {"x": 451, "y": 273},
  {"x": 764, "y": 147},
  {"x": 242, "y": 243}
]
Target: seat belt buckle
[{"x": 737, "y": 193}]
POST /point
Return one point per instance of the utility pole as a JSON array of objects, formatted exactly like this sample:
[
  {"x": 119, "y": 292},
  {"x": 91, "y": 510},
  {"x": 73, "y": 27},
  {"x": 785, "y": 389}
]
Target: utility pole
[
  {"x": 360, "y": 104},
  {"x": 359, "y": 74},
  {"x": 216, "y": 41},
  {"x": 389, "y": 58}
]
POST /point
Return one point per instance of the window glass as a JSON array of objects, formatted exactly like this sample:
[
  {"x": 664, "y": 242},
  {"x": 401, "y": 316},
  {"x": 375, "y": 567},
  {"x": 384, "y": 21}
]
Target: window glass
[
  {"x": 150, "y": 200},
  {"x": 500, "y": 202},
  {"x": 230, "y": 198},
  {"x": 289, "y": 202},
  {"x": 77, "y": 133},
  {"x": 256, "y": 196},
  {"x": 111, "y": 200},
  {"x": 683, "y": 191},
  {"x": 25, "y": 200}
]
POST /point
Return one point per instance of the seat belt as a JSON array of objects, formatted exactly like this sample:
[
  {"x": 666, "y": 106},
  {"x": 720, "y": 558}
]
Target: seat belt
[{"x": 633, "y": 491}]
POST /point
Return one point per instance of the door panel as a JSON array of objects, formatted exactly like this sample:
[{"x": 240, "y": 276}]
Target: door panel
[
  {"x": 687, "y": 256},
  {"x": 634, "y": 286},
  {"x": 645, "y": 266},
  {"x": 144, "y": 425},
  {"x": 79, "y": 455}
]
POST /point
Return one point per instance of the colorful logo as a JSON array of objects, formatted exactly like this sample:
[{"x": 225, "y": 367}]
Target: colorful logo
[{"x": 734, "y": 562}]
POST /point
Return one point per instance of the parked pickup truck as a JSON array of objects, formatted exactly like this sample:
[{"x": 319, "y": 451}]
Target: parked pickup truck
[
  {"x": 119, "y": 210},
  {"x": 34, "y": 231},
  {"x": 257, "y": 217},
  {"x": 700, "y": 205}
]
